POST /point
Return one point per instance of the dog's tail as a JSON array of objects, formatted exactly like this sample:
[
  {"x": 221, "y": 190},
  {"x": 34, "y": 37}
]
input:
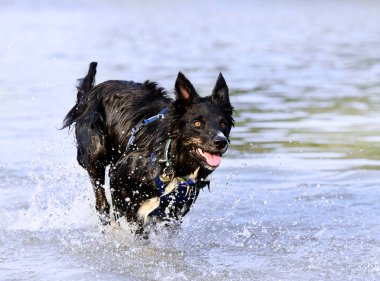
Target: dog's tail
[{"x": 84, "y": 86}]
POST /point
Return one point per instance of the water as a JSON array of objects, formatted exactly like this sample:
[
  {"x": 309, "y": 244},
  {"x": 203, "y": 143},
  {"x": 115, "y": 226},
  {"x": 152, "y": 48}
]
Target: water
[{"x": 296, "y": 197}]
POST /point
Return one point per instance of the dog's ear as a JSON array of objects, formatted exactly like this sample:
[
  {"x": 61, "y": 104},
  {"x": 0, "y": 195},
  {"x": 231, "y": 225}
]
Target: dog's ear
[
  {"x": 184, "y": 90},
  {"x": 220, "y": 93}
]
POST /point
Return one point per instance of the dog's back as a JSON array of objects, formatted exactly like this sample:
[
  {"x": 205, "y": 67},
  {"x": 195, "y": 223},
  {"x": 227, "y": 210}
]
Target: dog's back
[{"x": 109, "y": 111}]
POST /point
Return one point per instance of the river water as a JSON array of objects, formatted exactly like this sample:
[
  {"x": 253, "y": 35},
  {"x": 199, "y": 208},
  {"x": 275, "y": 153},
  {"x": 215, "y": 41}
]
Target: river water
[{"x": 295, "y": 198}]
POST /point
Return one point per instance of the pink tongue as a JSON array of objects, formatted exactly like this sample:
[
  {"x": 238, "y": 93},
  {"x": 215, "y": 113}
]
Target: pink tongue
[{"x": 212, "y": 159}]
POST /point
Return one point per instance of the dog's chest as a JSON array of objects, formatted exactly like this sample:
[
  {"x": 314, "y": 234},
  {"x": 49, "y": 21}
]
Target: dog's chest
[{"x": 174, "y": 200}]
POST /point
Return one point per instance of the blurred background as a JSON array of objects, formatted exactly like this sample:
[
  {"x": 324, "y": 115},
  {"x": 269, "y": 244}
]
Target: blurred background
[{"x": 295, "y": 198}]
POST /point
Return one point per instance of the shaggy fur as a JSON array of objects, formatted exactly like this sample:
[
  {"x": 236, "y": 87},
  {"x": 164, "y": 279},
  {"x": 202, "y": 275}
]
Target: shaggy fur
[{"x": 104, "y": 116}]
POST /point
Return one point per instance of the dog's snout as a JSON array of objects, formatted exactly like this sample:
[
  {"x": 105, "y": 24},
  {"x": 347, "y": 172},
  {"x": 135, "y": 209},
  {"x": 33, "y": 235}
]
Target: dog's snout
[{"x": 221, "y": 142}]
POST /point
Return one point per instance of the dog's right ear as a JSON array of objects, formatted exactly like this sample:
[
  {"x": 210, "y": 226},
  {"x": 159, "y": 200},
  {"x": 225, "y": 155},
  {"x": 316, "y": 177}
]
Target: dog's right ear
[
  {"x": 220, "y": 93},
  {"x": 184, "y": 90}
]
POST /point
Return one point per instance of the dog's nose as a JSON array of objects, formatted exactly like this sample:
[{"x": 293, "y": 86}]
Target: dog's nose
[{"x": 220, "y": 142}]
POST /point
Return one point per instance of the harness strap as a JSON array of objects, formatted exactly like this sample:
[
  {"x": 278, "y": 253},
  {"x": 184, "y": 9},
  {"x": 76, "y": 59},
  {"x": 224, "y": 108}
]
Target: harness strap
[
  {"x": 142, "y": 124},
  {"x": 161, "y": 185},
  {"x": 183, "y": 195},
  {"x": 167, "y": 150},
  {"x": 153, "y": 159}
]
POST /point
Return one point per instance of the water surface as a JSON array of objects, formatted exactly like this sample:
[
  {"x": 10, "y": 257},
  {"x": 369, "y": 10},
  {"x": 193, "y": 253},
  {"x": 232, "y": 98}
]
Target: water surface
[{"x": 296, "y": 197}]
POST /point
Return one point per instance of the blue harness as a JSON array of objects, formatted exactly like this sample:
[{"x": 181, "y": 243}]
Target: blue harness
[
  {"x": 142, "y": 124},
  {"x": 186, "y": 191}
]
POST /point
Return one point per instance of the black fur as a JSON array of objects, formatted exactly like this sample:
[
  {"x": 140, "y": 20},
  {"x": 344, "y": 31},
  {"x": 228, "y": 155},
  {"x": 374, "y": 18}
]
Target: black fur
[{"x": 104, "y": 116}]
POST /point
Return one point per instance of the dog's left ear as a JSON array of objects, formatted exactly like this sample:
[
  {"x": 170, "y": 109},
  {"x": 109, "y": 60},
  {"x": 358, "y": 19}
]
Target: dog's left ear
[
  {"x": 184, "y": 90},
  {"x": 220, "y": 93}
]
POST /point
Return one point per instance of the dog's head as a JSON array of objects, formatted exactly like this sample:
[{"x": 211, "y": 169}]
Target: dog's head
[{"x": 203, "y": 124}]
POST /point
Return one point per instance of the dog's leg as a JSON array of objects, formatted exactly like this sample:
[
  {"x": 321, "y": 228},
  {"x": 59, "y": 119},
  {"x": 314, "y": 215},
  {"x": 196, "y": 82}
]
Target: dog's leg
[
  {"x": 92, "y": 157},
  {"x": 120, "y": 196},
  {"x": 97, "y": 175},
  {"x": 125, "y": 190}
]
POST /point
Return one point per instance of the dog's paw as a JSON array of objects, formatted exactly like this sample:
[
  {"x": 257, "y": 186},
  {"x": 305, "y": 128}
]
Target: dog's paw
[
  {"x": 143, "y": 230},
  {"x": 105, "y": 218}
]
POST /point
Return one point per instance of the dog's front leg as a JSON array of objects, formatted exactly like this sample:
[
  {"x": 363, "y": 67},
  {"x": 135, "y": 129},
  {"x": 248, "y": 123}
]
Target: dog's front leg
[{"x": 97, "y": 175}]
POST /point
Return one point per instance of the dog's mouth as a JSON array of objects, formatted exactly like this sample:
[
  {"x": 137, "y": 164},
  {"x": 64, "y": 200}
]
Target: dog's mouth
[{"x": 208, "y": 159}]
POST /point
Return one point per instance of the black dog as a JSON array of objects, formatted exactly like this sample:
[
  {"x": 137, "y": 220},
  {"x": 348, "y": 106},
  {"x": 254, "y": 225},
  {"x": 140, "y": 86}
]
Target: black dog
[{"x": 160, "y": 150}]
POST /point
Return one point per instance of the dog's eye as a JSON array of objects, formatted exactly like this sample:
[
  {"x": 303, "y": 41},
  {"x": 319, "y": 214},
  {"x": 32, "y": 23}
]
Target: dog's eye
[
  {"x": 197, "y": 124},
  {"x": 223, "y": 125}
]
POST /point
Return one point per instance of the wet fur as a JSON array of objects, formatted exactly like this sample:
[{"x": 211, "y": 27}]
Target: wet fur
[{"x": 104, "y": 116}]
